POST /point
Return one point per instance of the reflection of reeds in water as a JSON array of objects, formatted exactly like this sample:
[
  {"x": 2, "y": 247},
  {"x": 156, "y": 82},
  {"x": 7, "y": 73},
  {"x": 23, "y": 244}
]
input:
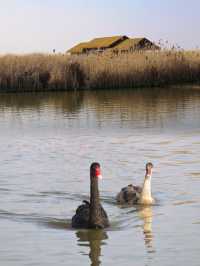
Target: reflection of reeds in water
[
  {"x": 153, "y": 107},
  {"x": 69, "y": 102},
  {"x": 61, "y": 72},
  {"x": 145, "y": 213},
  {"x": 127, "y": 101},
  {"x": 93, "y": 238}
]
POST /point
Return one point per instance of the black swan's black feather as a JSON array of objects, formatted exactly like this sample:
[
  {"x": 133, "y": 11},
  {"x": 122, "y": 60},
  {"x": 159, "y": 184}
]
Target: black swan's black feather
[{"x": 81, "y": 218}]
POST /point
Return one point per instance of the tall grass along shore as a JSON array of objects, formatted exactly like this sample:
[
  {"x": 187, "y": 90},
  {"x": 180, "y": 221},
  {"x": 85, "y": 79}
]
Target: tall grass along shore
[{"x": 63, "y": 72}]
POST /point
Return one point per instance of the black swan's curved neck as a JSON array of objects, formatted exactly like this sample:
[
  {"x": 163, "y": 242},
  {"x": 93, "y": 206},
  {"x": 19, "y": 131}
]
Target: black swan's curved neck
[{"x": 94, "y": 201}]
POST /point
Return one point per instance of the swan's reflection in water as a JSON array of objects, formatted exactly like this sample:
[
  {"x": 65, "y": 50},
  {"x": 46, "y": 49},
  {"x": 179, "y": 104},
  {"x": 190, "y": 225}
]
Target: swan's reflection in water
[
  {"x": 93, "y": 239},
  {"x": 145, "y": 213}
]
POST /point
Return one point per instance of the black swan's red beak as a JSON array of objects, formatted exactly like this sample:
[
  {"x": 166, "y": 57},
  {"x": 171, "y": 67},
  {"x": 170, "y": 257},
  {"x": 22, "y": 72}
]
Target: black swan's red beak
[{"x": 98, "y": 173}]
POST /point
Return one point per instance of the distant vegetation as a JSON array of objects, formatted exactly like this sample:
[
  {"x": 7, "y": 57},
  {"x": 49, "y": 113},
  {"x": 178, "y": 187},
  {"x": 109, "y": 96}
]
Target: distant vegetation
[{"x": 62, "y": 72}]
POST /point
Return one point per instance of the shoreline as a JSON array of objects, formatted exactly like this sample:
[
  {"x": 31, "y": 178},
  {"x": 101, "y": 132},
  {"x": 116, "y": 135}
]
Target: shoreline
[{"x": 169, "y": 86}]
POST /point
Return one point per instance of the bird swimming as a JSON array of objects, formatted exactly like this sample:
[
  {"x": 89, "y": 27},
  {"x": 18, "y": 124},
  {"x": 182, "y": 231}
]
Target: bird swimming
[
  {"x": 132, "y": 195},
  {"x": 91, "y": 214}
]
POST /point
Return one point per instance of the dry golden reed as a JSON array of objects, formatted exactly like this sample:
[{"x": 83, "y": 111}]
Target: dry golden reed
[{"x": 63, "y": 72}]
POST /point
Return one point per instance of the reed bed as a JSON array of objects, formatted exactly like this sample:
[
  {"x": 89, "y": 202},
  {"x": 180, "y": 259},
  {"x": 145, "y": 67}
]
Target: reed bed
[{"x": 39, "y": 72}]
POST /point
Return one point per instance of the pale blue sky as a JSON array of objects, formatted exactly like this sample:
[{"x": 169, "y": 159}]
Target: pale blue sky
[{"x": 40, "y": 26}]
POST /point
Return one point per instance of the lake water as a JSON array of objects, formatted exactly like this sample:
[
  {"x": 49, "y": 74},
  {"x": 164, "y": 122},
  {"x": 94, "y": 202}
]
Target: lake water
[{"x": 47, "y": 142}]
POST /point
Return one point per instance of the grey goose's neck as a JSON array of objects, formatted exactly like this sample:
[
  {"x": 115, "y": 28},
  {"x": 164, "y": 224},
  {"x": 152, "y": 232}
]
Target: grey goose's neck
[{"x": 146, "y": 197}]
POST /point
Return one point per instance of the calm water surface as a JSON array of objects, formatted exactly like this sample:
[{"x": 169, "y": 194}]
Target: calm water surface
[{"x": 47, "y": 142}]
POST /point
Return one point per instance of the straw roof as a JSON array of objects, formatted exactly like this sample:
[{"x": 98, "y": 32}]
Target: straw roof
[
  {"x": 128, "y": 43},
  {"x": 114, "y": 42},
  {"x": 135, "y": 43},
  {"x": 97, "y": 43},
  {"x": 105, "y": 42},
  {"x": 78, "y": 48}
]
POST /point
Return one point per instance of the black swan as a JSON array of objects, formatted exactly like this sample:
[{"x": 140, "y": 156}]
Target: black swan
[
  {"x": 138, "y": 195},
  {"x": 91, "y": 214}
]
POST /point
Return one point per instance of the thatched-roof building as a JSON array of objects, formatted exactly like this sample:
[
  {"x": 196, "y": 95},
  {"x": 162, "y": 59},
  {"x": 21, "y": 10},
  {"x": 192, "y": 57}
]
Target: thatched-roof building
[{"x": 115, "y": 44}]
